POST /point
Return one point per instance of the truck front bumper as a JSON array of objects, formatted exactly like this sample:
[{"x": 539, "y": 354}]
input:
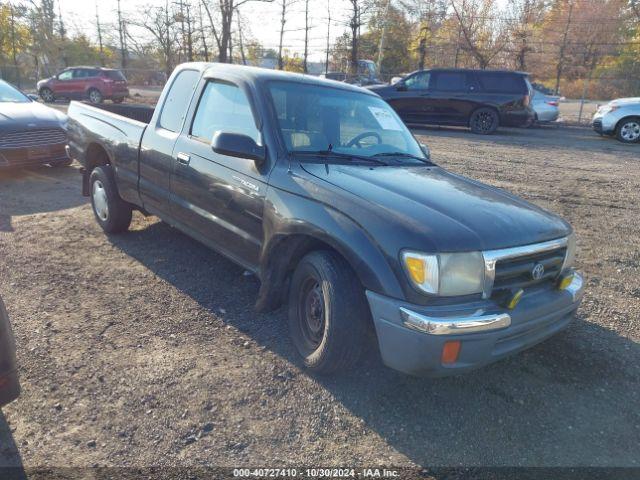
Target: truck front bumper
[{"x": 412, "y": 337}]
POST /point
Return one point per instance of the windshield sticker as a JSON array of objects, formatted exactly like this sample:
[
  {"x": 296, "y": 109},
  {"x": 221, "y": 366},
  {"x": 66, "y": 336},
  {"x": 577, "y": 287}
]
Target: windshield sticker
[{"x": 385, "y": 118}]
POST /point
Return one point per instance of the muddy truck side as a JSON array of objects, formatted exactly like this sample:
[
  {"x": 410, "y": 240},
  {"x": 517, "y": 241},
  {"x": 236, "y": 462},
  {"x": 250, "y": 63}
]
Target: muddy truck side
[{"x": 320, "y": 189}]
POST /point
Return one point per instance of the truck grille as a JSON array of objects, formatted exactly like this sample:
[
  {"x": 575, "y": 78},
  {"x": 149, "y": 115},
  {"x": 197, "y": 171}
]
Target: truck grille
[
  {"x": 33, "y": 138},
  {"x": 517, "y": 272}
]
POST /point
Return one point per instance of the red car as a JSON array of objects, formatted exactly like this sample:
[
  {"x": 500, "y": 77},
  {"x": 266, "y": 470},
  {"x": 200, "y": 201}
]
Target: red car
[{"x": 77, "y": 83}]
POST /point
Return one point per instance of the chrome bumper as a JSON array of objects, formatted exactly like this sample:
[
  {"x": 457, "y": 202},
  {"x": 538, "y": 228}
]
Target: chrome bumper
[{"x": 478, "y": 322}]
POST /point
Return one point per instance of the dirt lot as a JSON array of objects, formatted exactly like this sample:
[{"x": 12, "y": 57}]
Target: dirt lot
[{"x": 143, "y": 349}]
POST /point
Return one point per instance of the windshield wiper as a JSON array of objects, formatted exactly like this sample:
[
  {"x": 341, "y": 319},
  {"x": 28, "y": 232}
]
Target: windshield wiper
[
  {"x": 405, "y": 155},
  {"x": 332, "y": 154}
]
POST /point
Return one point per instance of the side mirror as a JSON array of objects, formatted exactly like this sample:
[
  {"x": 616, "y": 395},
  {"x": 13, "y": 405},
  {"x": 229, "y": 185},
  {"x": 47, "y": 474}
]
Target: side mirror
[
  {"x": 238, "y": 145},
  {"x": 33, "y": 96},
  {"x": 426, "y": 151}
]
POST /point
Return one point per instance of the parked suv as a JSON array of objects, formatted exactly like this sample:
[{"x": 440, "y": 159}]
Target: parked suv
[
  {"x": 480, "y": 99},
  {"x": 92, "y": 83},
  {"x": 619, "y": 118}
]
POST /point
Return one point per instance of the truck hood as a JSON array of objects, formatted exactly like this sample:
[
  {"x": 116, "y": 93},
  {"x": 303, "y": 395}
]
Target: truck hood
[
  {"x": 442, "y": 211},
  {"x": 18, "y": 116}
]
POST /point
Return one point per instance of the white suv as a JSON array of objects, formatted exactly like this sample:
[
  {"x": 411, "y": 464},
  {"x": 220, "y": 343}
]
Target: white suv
[{"x": 620, "y": 117}]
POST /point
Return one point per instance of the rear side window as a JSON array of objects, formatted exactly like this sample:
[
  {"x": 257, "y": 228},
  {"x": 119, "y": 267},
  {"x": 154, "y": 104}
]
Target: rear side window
[
  {"x": 502, "y": 82},
  {"x": 450, "y": 81},
  {"x": 223, "y": 106},
  {"x": 115, "y": 75},
  {"x": 177, "y": 102}
]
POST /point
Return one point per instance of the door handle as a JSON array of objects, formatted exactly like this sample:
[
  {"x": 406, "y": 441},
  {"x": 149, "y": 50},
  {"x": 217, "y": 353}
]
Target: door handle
[{"x": 183, "y": 158}]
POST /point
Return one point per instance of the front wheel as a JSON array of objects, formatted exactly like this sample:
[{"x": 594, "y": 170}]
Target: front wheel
[
  {"x": 628, "y": 130},
  {"x": 327, "y": 313},
  {"x": 484, "y": 121},
  {"x": 112, "y": 213},
  {"x": 47, "y": 96}
]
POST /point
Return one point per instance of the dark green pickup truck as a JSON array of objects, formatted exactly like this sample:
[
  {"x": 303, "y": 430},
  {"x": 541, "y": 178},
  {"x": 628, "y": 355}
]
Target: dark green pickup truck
[{"x": 320, "y": 189}]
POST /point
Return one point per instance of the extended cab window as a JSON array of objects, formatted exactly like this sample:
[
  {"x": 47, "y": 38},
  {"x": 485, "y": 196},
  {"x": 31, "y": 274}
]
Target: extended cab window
[
  {"x": 223, "y": 106},
  {"x": 177, "y": 101}
]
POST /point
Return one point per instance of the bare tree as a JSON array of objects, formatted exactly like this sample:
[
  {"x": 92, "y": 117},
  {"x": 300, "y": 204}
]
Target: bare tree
[
  {"x": 481, "y": 31},
  {"x": 284, "y": 5},
  {"x": 563, "y": 46},
  {"x": 226, "y": 10},
  {"x": 524, "y": 15},
  {"x": 161, "y": 23},
  {"x": 358, "y": 10}
]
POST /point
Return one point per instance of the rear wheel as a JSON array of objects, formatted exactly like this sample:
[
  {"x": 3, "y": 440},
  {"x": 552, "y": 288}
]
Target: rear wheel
[
  {"x": 46, "y": 94},
  {"x": 327, "y": 313},
  {"x": 484, "y": 121},
  {"x": 95, "y": 96},
  {"x": 628, "y": 130},
  {"x": 112, "y": 213}
]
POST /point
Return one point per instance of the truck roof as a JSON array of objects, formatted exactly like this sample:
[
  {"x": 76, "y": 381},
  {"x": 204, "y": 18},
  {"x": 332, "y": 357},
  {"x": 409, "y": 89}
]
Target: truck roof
[{"x": 257, "y": 74}]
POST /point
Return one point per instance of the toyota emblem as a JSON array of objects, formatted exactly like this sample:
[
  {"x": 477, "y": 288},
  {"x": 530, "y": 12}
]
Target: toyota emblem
[{"x": 537, "y": 272}]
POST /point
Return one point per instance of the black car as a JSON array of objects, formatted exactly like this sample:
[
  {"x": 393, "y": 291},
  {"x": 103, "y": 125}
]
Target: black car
[
  {"x": 479, "y": 99},
  {"x": 31, "y": 134},
  {"x": 9, "y": 387}
]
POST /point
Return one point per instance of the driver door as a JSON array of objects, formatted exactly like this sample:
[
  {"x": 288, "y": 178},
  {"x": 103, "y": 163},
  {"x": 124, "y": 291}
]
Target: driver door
[
  {"x": 218, "y": 197},
  {"x": 411, "y": 99}
]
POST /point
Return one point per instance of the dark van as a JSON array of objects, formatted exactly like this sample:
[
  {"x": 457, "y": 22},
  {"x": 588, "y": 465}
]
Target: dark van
[{"x": 483, "y": 100}]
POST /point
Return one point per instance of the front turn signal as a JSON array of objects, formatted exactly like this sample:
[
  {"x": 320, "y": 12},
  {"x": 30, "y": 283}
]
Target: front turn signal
[{"x": 564, "y": 281}]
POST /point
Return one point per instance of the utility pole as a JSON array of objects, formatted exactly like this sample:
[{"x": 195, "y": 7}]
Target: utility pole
[
  {"x": 382, "y": 35},
  {"x": 13, "y": 44},
  {"x": 283, "y": 20},
  {"x": 62, "y": 32},
  {"x": 123, "y": 49},
  {"x": 306, "y": 36},
  {"x": 204, "y": 38},
  {"x": 563, "y": 47},
  {"x": 99, "y": 36},
  {"x": 244, "y": 59},
  {"x": 326, "y": 65}
]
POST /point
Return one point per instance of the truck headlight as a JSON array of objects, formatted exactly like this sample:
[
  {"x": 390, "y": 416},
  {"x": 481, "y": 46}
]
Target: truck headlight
[
  {"x": 570, "y": 256},
  {"x": 445, "y": 274}
]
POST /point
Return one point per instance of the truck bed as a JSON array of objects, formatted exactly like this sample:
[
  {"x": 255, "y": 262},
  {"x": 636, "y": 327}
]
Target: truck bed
[{"x": 114, "y": 130}]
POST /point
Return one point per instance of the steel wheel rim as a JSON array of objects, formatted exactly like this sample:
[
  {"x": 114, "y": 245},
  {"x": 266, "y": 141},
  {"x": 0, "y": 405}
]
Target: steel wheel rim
[
  {"x": 630, "y": 131},
  {"x": 100, "y": 203},
  {"x": 484, "y": 121},
  {"x": 311, "y": 313}
]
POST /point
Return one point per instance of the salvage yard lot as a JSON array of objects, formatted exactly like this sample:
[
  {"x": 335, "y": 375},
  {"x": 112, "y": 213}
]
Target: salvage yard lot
[{"x": 143, "y": 349}]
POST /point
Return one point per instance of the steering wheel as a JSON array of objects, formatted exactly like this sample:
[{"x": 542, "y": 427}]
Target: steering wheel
[{"x": 356, "y": 140}]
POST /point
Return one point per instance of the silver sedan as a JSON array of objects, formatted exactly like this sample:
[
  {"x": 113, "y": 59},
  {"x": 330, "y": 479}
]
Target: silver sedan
[
  {"x": 545, "y": 107},
  {"x": 619, "y": 118}
]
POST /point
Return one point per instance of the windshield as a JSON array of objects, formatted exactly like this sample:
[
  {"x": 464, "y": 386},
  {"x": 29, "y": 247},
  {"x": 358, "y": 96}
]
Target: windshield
[
  {"x": 11, "y": 94},
  {"x": 314, "y": 118}
]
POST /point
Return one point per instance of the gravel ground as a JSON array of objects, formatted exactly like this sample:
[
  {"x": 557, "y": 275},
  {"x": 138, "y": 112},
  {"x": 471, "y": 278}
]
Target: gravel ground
[{"x": 143, "y": 349}]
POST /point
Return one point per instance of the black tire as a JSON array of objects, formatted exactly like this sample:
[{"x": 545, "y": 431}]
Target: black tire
[
  {"x": 62, "y": 163},
  {"x": 327, "y": 313},
  {"x": 484, "y": 121},
  {"x": 95, "y": 96},
  {"x": 628, "y": 130},
  {"x": 116, "y": 217},
  {"x": 46, "y": 94}
]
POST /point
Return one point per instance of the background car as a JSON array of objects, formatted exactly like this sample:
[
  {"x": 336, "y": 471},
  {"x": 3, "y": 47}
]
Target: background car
[
  {"x": 93, "y": 83},
  {"x": 9, "y": 385},
  {"x": 479, "y": 99},
  {"x": 545, "y": 107},
  {"x": 619, "y": 118},
  {"x": 31, "y": 134}
]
